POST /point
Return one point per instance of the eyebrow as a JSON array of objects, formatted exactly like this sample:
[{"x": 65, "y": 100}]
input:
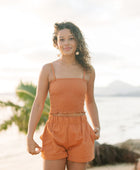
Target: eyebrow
[{"x": 68, "y": 36}]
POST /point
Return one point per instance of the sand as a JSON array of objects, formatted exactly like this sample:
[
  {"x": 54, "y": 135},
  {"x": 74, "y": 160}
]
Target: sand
[
  {"x": 114, "y": 167},
  {"x": 26, "y": 161}
]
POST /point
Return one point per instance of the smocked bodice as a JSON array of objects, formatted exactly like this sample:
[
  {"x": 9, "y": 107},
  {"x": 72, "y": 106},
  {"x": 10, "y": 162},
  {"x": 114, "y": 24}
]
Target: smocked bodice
[{"x": 67, "y": 94}]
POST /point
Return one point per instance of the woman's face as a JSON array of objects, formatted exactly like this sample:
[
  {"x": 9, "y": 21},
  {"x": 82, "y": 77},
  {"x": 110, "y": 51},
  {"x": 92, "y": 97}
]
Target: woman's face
[{"x": 66, "y": 42}]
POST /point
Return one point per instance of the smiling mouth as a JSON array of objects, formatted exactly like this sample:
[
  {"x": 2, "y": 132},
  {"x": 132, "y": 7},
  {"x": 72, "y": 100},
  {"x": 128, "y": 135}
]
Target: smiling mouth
[{"x": 67, "y": 48}]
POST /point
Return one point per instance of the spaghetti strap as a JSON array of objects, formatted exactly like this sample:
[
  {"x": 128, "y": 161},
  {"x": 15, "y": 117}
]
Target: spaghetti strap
[
  {"x": 53, "y": 71},
  {"x": 83, "y": 75}
]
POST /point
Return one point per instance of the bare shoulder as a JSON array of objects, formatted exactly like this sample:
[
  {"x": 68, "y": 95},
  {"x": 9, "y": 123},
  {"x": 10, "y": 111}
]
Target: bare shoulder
[
  {"x": 46, "y": 68},
  {"x": 90, "y": 74}
]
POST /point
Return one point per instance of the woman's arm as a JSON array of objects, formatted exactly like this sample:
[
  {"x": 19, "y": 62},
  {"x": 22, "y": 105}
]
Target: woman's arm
[
  {"x": 90, "y": 102},
  {"x": 37, "y": 108}
]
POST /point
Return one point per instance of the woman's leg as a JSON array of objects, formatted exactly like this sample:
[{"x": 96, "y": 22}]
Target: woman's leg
[
  {"x": 58, "y": 164},
  {"x": 76, "y": 165}
]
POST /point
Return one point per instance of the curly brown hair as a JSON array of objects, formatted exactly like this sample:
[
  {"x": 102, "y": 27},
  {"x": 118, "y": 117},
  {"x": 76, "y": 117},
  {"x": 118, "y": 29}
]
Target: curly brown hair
[{"x": 83, "y": 58}]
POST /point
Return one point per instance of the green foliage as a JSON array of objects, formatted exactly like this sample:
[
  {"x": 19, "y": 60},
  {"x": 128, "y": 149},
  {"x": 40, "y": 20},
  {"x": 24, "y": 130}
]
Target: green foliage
[
  {"x": 26, "y": 93},
  {"x": 6, "y": 123}
]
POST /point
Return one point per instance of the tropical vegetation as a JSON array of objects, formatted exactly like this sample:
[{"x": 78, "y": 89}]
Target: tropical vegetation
[{"x": 25, "y": 93}]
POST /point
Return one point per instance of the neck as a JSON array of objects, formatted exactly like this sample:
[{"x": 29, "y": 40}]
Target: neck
[{"x": 68, "y": 60}]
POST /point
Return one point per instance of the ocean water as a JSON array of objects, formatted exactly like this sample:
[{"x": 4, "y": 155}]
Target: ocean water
[{"x": 119, "y": 120}]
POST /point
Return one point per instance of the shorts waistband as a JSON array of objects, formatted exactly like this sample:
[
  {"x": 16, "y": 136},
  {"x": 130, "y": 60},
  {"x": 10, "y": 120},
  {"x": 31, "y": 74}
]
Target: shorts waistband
[{"x": 67, "y": 114}]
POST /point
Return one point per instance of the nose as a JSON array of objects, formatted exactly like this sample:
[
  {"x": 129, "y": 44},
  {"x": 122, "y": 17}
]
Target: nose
[{"x": 66, "y": 42}]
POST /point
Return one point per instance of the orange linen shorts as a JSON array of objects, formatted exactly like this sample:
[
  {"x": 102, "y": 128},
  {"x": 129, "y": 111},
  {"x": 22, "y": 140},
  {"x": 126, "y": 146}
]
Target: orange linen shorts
[{"x": 68, "y": 137}]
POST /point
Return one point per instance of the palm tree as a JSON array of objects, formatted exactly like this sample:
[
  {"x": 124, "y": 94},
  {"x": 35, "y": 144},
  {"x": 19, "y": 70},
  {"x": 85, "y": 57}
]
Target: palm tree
[{"x": 26, "y": 93}]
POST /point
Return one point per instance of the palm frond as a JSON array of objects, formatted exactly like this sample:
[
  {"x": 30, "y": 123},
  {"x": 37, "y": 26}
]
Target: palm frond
[
  {"x": 6, "y": 124},
  {"x": 26, "y": 92},
  {"x": 9, "y": 104}
]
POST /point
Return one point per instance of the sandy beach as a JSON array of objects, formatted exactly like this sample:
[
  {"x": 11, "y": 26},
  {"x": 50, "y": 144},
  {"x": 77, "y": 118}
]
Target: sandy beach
[
  {"x": 114, "y": 167},
  {"x": 27, "y": 162},
  {"x": 15, "y": 156}
]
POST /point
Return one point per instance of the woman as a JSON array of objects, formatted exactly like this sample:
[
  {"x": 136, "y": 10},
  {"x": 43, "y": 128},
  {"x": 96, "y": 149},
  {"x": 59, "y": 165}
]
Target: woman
[{"x": 67, "y": 138}]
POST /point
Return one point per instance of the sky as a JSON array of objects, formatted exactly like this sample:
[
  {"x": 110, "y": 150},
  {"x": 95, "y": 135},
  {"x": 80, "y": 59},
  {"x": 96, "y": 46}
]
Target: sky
[{"x": 111, "y": 29}]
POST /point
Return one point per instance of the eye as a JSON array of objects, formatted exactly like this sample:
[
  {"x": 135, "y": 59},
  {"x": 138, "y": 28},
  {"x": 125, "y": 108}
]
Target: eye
[
  {"x": 71, "y": 38},
  {"x": 61, "y": 39}
]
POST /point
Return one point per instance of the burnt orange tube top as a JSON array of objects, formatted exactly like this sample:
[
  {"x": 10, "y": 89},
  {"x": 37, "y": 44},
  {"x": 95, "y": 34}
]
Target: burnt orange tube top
[{"x": 67, "y": 94}]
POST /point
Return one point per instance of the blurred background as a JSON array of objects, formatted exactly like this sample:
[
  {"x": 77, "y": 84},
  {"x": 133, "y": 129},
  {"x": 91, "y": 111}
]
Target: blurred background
[{"x": 112, "y": 31}]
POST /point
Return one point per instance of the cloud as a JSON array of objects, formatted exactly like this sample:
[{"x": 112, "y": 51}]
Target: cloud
[
  {"x": 38, "y": 55},
  {"x": 86, "y": 13},
  {"x": 130, "y": 8},
  {"x": 92, "y": 12}
]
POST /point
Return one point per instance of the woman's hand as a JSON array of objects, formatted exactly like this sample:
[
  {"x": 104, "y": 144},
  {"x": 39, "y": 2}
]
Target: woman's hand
[
  {"x": 32, "y": 147},
  {"x": 97, "y": 133}
]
